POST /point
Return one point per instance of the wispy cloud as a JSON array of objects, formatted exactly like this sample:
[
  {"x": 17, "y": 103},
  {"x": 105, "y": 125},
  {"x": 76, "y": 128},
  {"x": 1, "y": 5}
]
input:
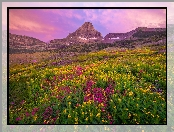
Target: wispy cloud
[
  {"x": 28, "y": 21},
  {"x": 91, "y": 15},
  {"x": 60, "y": 22},
  {"x": 122, "y": 20},
  {"x": 69, "y": 13}
]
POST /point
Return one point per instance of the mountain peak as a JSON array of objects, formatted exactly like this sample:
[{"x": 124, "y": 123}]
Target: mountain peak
[
  {"x": 85, "y": 33},
  {"x": 87, "y": 24},
  {"x": 86, "y": 27}
]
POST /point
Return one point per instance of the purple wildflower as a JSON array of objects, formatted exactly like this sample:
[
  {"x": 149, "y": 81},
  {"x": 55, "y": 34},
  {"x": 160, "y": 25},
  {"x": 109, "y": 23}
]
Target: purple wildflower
[
  {"x": 27, "y": 114},
  {"x": 111, "y": 122},
  {"x": 12, "y": 103},
  {"x": 22, "y": 102},
  {"x": 79, "y": 70},
  {"x": 103, "y": 109},
  {"x": 160, "y": 91},
  {"x": 34, "y": 61},
  {"x": 54, "y": 63},
  {"x": 54, "y": 78},
  {"x": 48, "y": 112},
  {"x": 34, "y": 111},
  {"x": 18, "y": 118}
]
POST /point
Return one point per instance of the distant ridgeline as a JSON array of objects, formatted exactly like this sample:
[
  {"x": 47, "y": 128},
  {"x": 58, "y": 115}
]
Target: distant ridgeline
[
  {"x": 22, "y": 44},
  {"x": 85, "y": 35},
  {"x": 138, "y": 33}
]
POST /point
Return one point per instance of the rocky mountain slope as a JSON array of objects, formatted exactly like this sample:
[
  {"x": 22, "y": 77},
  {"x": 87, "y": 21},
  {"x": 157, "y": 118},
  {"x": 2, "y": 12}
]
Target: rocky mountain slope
[
  {"x": 87, "y": 38},
  {"x": 24, "y": 43},
  {"x": 140, "y": 32},
  {"x": 84, "y": 34},
  {"x": 87, "y": 34}
]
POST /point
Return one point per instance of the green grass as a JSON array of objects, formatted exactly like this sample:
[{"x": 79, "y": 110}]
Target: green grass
[{"x": 114, "y": 87}]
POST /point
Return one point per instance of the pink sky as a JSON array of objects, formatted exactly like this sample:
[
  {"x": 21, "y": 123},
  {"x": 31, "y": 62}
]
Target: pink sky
[{"x": 48, "y": 24}]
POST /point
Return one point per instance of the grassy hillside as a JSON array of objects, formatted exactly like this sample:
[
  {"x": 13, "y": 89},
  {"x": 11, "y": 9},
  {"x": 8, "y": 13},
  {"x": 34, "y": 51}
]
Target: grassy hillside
[{"x": 103, "y": 87}]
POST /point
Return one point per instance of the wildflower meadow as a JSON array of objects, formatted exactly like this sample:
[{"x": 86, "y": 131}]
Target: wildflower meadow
[{"x": 103, "y": 87}]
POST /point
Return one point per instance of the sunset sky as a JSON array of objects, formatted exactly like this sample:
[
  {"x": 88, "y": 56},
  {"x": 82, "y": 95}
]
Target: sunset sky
[
  {"x": 48, "y": 24},
  {"x": 52, "y": 24}
]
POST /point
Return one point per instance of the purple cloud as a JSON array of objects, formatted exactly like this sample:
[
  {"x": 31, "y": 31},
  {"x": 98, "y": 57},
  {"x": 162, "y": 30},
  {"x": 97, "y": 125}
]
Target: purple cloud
[{"x": 47, "y": 24}]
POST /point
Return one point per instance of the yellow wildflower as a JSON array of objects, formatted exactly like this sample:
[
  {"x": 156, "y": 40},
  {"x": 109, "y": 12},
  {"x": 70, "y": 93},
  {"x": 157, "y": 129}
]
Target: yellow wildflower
[
  {"x": 69, "y": 116},
  {"x": 130, "y": 93},
  {"x": 129, "y": 114},
  {"x": 86, "y": 119},
  {"x": 35, "y": 117},
  {"x": 76, "y": 119},
  {"x": 64, "y": 111},
  {"x": 98, "y": 115},
  {"x": 152, "y": 115}
]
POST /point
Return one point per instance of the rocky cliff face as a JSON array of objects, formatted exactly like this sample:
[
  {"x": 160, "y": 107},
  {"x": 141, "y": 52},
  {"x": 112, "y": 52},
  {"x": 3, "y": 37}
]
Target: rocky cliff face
[{"x": 84, "y": 34}]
